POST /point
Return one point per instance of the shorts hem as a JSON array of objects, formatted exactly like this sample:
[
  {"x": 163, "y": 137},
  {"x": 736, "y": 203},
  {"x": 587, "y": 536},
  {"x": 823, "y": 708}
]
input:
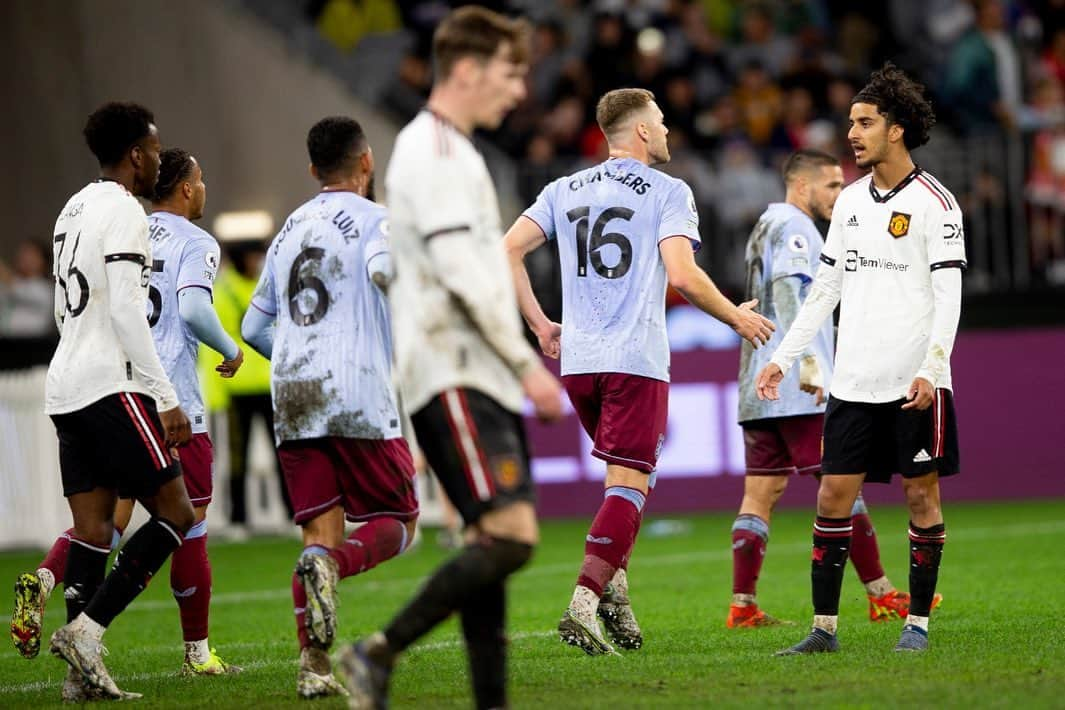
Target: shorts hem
[
  {"x": 643, "y": 466},
  {"x": 302, "y": 516},
  {"x": 365, "y": 517},
  {"x": 200, "y": 502},
  {"x": 782, "y": 471}
]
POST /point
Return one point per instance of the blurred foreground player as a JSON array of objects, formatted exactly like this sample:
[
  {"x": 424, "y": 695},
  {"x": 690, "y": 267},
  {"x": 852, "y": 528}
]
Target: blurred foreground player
[
  {"x": 623, "y": 229},
  {"x": 462, "y": 360},
  {"x": 784, "y": 437},
  {"x": 893, "y": 260},
  {"x": 104, "y": 385},
  {"x": 180, "y": 314},
  {"x": 320, "y": 315}
]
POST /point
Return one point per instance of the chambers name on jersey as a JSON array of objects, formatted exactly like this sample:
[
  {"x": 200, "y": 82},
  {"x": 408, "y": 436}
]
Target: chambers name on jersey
[
  {"x": 331, "y": 369},
  {"x": 608, "y": 221}
]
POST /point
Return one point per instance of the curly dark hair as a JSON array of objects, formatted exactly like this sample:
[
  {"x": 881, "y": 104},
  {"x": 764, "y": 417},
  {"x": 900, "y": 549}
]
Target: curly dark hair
[
  {"x": 175, "y": 167},
  {"x": 114, "y": 128},
  {"x": 902, "y": 101},
  {"x": 333, "y": 142}
]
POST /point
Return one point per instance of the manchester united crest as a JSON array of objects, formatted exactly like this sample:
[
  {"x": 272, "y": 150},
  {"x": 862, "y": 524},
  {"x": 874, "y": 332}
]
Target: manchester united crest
[{"x": 899, "y": 226}]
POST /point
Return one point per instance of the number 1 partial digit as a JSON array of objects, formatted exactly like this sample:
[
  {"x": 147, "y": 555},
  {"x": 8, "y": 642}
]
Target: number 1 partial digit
[{"x": 580, "y": 216}]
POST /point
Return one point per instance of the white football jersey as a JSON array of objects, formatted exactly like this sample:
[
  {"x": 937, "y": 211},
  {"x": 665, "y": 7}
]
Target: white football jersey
[
  {"x": 183, "y": 256},
  {"x": 454, "y": 308},
  {"x": 882, "y": 249},
  {"x": 331, "y": 368},
  {"x": 102, "y": 265},
  {"x": 609, "y": 220}
]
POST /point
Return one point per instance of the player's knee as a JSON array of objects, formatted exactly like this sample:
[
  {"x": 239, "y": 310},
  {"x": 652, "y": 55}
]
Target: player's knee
[
  {"x": 833, "y": 499},
  {"x": 921, "y": 496},
  {"x": 411, "y": 526},
  {"x": 181, "y": 515},
  {"x": 97, "y": 532},
  {"x": 508, "y": 556}
]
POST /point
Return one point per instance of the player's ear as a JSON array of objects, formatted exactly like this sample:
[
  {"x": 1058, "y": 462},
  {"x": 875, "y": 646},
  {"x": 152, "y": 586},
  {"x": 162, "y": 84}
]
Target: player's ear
[
  {"x": 136, "y": 156},
  {"x": 313, "y": 170},
  {"x": 895, "y": 132}
]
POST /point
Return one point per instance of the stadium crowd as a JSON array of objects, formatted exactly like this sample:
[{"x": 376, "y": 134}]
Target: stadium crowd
[{"x": 743, "y": 84}]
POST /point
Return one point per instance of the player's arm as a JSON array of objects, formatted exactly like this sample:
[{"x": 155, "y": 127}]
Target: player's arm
[
  {"x": 257, "y": 327},
  {"x": 946, "y": 260},
  {"x": 523, "y": 237},
  {"x": 196, "y": 275},
  {"x": 127, "y": 269},
  {"x": 787, "y": 300},
  {"x": 378, "y": 256},
  {"x": 696, "y": 286}
]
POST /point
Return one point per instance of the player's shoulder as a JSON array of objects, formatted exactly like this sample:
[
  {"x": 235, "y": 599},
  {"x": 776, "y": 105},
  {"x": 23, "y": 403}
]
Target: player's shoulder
[
  {"x": 857, "y": 189},
  {"x": 934, "y": 193},
  {"x": 429, "y": 137}
]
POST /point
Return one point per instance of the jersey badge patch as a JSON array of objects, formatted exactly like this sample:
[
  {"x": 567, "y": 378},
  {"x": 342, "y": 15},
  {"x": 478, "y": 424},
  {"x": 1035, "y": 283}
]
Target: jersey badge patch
[
  {"x": 899, "y": 226},
  {"x": 211, "y": 260},
  {"x": 797, "y": 243}
]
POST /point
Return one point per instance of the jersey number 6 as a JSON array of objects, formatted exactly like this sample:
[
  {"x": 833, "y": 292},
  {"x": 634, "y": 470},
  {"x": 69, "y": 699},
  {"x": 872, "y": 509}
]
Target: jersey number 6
[
  {"x": 581, "y": 216},
  {"x": 298, "y": 283}
]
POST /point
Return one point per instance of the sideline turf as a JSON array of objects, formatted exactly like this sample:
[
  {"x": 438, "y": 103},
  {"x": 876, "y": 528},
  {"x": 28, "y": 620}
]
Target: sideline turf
[{"x": 997, "y": 641}]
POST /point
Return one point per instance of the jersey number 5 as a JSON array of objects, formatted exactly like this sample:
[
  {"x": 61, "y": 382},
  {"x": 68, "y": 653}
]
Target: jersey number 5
[
  {"x": 155, "y": 298},
  {"x": 297, "y": 283},
  {"x": 586, "y": 246},
  {"x": 73, "y": 273}
]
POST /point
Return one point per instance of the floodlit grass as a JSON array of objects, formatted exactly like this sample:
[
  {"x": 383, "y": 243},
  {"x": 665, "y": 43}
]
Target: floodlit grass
[{"x": 997, "y": 641}]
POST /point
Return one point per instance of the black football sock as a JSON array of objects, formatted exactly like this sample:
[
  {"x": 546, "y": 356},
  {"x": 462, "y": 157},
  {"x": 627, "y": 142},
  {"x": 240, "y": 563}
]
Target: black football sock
[
  {"x": 84, "y": 573},
  {"x": 926, "y": 548},
  {"x": 139, "y": 559},
  {"x": 832, "y": 541},
  {"x": 485, "y": 562},
  {"x": 483, "y": 625}
]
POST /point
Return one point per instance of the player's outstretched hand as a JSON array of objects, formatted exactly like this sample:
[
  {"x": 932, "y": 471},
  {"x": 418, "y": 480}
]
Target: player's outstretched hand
[
  {"x": 810, "y": 380},
  {"x": 545, "y": 392},
  {"x": 753, "y": 327},
  {"x": 176, "y": 427},
  {"x": 920, "y": 395},
  {"x": 228, "y": 368},
  {"x": 768, "y": 382},
  {"x": 551, "y": 340}
]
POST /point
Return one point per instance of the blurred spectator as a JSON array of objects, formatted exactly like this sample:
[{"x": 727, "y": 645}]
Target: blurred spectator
[
  {"x": 27, "y": 293},
  {"x": 1046, "y": 182},
  {"x": 982, "y": 82},
  {"x": 247, "y": 395},
  {"x": 759, "y": 101},
  {"x": 346, "y": 22},
  {"x": 761, "y": 44},
  {"x": 790, "y": 134}
]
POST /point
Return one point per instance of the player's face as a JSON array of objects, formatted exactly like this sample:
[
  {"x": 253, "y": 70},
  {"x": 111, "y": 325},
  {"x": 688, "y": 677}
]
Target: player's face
[
  {"x": 199, "y": 191},
  {"x": 146, "y": 162},
  {"x": 825, "y": 186},
  {"x": 499, "y": 87},
  {"x": 657, "y": 145},
  {"x": 868, "y": 135}
]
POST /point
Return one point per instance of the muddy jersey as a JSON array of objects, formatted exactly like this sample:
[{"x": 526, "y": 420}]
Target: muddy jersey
[{"x": 331, "y": 369}]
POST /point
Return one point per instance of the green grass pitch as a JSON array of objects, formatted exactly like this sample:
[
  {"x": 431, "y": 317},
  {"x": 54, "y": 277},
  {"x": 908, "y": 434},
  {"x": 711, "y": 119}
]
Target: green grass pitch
[{"x": 997, "y": 641}]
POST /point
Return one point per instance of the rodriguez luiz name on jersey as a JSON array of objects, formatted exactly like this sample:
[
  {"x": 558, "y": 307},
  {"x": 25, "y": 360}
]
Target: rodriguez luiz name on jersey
[{"x": 887, "y": 246}]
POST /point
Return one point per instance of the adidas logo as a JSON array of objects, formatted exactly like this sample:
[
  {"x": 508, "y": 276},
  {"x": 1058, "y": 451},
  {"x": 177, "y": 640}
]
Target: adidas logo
[
  {"x": 921, "y": 457},
  {"x": 853, "y": 221}
]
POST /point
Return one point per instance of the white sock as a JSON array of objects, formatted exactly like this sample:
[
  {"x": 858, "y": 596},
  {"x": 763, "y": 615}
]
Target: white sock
[
  {"x": 47, "y": 581},
  {"x": 198, "y": 651},
  {"x": 743, "y": 599},
  {"x": 920, "y": 622},
  {"x": 621, "y": 582},
  {"x": 83, "y": 625},
  {"x": 585, "y": 603},
  {"x": 879, "y": 587},
  {"x": 826, "y": 622}
]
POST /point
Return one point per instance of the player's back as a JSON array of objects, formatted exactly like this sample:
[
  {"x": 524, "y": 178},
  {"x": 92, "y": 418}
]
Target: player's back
[
  {"x": 609, "y": 220},
  {"x": 784, "y": 243},
  {"x": 101, "y": 222},
  {"x": 332, "y": 354},
  {"x": 183, "y": 256}
]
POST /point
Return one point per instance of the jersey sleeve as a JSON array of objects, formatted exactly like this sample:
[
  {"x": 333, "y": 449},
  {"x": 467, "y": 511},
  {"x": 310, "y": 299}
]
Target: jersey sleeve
[
  {"x": 680, "y": 216},
  {"x": 833, "y": 248},
  {"x": 264, "y": 299},
  {"x": 445, "y": 198},
  {"x": 542, "y": 211},
  {"x": 126, "y": 237},
  {"x": 378, "y": 253},
  {"x": 791, "y": 254},
  {"x": 199, "y": 264},
  {"x": 945, "y": 240}
]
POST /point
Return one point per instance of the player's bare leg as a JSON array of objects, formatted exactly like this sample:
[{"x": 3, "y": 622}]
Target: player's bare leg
[
  {"x": 472, "y": 583},
  {"x": 607, "y": 548},
  {"x": 927, "y": 535},
  {"x": 750, "y": 535},
  {"x": 831, "y": 544}
]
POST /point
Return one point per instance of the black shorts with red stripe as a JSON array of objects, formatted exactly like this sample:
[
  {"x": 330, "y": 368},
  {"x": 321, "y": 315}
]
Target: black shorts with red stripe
[
  {"x": 477, "y": 449},
  {"x": 882, "y": 439},
  {"x": 117, "y": 443}
]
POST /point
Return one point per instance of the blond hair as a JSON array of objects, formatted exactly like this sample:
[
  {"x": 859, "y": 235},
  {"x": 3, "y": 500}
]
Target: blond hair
[{"x": 616, "y": 106}]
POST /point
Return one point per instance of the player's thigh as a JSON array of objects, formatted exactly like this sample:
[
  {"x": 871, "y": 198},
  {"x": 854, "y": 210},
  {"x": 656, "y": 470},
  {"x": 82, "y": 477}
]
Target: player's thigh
[
  {"x": 81, "y": 461},
  {"x": 926, "y": 440},
  {"x": 197, "y": 463},
  {"x": 851, "y": 436},
  {"x": 582, "y": 393},
  {"x": 765, "y": 449},
  {"x": 376, "y": 477},
  {"x": 802, "y": 436},
  {"x": 311, "y": 477},
  {"x": 632, "y": 420},
  {"x": 477, "y": 450}
]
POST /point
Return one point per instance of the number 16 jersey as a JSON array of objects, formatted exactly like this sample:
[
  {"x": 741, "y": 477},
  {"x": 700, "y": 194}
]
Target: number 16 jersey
[
  {"x": 608, "y": 221},
  {"x": 331, "y": 367}
]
